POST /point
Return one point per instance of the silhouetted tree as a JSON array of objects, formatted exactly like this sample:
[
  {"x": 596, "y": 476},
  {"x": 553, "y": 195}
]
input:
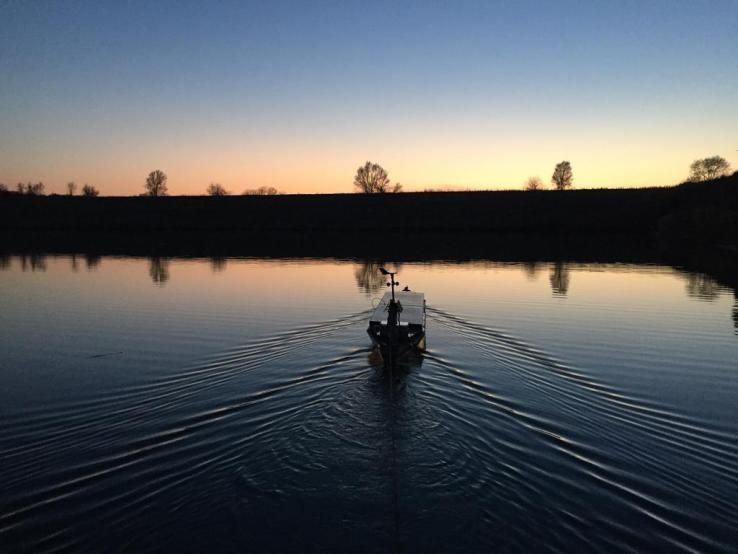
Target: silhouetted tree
[
  {"x": 216, "y": 189},
  {"x": 31, "y": 189},
  {"x": 562, "y": 176},
  {"x": 3, "y": 189},
  {"x": 372, "y": 177},
  {"x": 73, "y": 262},
  {"x": 534, "y": 183},
  {"x": 559, "y": 279},
  {"x": 156, "y": 183},
  {"x": 708, "y": 168},
  {"x": 71, "y": 188},
  {"x": 261, "y": 191},
  {"x": 4, "y": 261},
  {"x": 89, "y": 190},
  {"x": 159, "y": 270}
]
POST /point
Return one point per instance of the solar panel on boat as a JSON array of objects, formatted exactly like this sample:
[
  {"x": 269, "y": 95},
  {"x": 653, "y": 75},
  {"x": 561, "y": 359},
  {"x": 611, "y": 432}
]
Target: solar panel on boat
[{"x": 413, "y": 306}]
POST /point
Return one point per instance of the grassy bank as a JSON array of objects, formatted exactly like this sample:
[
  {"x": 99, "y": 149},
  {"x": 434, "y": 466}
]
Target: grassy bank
[{"x": 683, "y": 212}]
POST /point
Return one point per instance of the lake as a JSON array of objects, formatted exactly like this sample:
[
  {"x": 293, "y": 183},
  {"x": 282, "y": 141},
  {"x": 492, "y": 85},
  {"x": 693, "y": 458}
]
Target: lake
[{"x": 229, "y": 404}]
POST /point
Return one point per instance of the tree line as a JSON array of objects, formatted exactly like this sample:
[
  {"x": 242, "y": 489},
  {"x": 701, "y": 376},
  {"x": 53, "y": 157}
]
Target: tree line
[
  {"x": 704, "y": 169},
  {"x": 370, "y": 178}
]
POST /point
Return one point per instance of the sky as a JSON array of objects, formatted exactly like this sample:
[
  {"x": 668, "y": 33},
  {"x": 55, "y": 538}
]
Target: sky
[{"x": 297, "y": 95}]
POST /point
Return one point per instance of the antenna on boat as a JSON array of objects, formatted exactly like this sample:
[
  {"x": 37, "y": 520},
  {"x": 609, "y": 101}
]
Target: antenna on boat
[{"x": 392, "y": 282}]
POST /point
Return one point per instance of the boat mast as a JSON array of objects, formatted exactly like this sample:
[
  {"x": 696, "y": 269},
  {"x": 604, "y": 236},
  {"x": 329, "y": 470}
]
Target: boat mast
[{"x": 392, "y": 282}]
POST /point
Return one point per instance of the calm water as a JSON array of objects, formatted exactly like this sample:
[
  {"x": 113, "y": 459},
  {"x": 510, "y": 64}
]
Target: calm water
[{"x": 235, "y": 405}]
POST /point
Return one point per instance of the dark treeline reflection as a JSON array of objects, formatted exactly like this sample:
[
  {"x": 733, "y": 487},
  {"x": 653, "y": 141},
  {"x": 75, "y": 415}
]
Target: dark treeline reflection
[
  {"x": 702, "y": 287},
  {"x": 159, "y": 270},
  {"x": 217, "y": 264},
  {"x": 368, "y": 277},
  {"x": 560, "y": 278},
  {"x": 531, "y": 269},
  {"x": 92, "y": 261},
  {"x": 697, "y": 285},
  {"x": 33, "y": 262}
]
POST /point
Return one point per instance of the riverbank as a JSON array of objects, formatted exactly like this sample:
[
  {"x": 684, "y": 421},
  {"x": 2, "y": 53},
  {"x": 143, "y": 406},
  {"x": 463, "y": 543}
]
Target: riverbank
[{"x": 689, "y": 212}]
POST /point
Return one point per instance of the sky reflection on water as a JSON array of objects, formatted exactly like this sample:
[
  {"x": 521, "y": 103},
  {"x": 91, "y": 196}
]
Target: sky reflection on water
[{"x": 232, "y": 403}]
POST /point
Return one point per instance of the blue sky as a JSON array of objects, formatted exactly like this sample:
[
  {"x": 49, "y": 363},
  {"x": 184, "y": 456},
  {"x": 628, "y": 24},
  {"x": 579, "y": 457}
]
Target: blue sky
[{"x": 298, "y": 94}]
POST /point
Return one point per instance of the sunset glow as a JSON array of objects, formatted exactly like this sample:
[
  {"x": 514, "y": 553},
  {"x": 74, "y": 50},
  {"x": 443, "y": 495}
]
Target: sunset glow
[{"x": 298, "y": 96}]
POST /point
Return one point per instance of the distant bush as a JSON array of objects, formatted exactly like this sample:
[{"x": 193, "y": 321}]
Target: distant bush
[
  {"x": 261, "y": 191},
  {"x": 216, "y": 189},
  {"x": 71, "y": 188},
  {"x": 534, "y": 183},
  {"x": 89, "y": 190}
]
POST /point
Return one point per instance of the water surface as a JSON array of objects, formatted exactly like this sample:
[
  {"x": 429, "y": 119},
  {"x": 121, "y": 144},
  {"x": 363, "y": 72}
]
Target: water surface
[{"x": 153, "y": 404}]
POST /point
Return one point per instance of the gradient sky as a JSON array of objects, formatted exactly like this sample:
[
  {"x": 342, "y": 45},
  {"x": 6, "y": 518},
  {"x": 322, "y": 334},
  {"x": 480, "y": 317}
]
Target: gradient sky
[{"x": 297, "y": 95}]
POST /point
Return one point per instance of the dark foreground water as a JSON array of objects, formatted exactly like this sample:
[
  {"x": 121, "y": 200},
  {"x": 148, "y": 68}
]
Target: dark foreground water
[{"x": 235, "y": 405}]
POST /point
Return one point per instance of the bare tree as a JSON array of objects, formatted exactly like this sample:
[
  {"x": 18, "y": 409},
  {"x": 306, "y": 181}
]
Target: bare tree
[
  {"x": 261, "y": 191},
  {"x": 534, "y": 183},
  {"x": 216, "y": 189},
  {"x": 89, "y": 190},
  {"x": 3, "y": 189},
  {"x": 372, "y": 178},
  {"x": 71, "y": 188},
  {"x": 708, "y": 168},
  {"x": 31, "y": 189},
  {"x": 156, "y": 183},
  {"x": 562, "y": 176}
]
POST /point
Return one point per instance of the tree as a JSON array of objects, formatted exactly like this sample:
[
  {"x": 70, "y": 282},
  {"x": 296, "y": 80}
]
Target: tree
[
  {"x": 156, "y": 183},
  {"x": 372, "y": 178},
  {"x": 89, "y": 190},
  {"x": 562, "y": 176},
  {"x": 31, "y": 189},
  {"x": 71, "y": 188},
  {"x": 261, "y": 191},
  {"x": 534, "y": 183},
  {"x": 216, "y": 189},
  {"x": 708, "y": 168},
  {"x": 3, "y": 189}
]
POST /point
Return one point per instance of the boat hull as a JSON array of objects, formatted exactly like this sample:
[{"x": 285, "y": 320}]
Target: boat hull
[{"x": 406, "y": 339}]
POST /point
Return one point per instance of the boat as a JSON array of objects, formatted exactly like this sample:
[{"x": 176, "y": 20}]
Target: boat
[{"x": 397, "y": 323}]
